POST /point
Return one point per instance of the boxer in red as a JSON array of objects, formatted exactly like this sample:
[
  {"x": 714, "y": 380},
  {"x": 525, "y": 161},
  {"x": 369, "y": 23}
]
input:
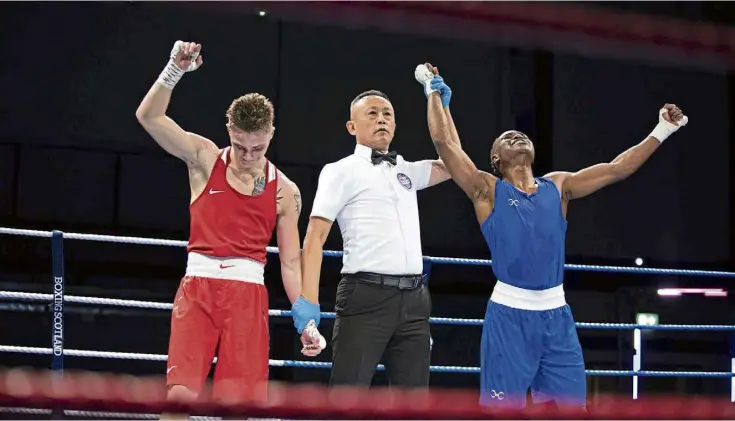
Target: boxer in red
[{"x": 237, "y": 199}]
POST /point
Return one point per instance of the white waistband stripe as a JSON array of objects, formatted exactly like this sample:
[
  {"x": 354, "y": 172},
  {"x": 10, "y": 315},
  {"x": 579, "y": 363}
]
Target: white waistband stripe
[
  {"x": 236, "y": 269},
  {"x": 526, "y": 299}
]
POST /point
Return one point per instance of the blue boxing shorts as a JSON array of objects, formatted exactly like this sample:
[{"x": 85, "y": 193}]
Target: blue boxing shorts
[{"x": 529, "y": 340}]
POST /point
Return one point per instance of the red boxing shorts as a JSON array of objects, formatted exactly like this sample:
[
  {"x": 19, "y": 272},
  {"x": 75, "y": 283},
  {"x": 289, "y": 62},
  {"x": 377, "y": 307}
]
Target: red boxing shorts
[{"x": 227, "y": 316}]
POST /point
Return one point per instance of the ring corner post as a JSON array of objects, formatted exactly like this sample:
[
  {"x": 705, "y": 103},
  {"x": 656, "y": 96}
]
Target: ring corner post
[{"x": 57, "y": 313}]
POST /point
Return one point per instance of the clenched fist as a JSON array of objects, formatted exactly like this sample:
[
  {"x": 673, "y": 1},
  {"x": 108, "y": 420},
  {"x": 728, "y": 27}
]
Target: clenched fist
[
  {"x": 186, "y": 55},
  {"x": 432, "y": 69},
  {"x": 673, "y": 114},
  {"x": 184, "y": 58},
  {"x": 670, "y": 119},
  {"x": 312, "y": 340},
  {"x": 428, "y": 76}
]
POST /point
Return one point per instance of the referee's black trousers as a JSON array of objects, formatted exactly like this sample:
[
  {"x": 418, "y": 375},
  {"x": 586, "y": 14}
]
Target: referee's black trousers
[{"x": 377, "y": 324}]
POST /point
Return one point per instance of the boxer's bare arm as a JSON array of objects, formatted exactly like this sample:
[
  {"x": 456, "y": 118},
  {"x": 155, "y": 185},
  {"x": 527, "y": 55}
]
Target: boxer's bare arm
[
  {"x": 591, "y": 179},
  {"x": 478, "y": 185},
  {"x": 439, "y": 171},
  {"x": 193, "y": 149},
  {"x": 575, "y": 185},
  {"x": 311, "y": 257},
  {"x": 452, "y": 129},
  {"x": 288, "y": 201},
  {"x": 198, "y": 152}
]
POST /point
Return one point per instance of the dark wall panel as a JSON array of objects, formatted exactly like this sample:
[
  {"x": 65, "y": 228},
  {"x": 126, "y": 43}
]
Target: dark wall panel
[
  {"x": 66, "y": 186},
  {"x": 323, "y": 69},
  {"x": 87, "y": 94},
  {"x": 154, "y": 193},
  {"x": 676, "y": 206},
  {"x": 86, "y": 97},
  {"x": 7, "y": 179}
]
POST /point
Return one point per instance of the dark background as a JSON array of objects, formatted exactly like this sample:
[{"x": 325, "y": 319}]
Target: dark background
[{"x": 73, "y": 158}]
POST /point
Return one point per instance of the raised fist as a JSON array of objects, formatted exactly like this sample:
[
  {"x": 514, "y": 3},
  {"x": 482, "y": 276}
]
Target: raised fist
[
  {"x": 673, "y": 115},
  {"x": 185, "y": 55},
  {"x": 423, "y": 74},
  {"x": 428, "y": 76},
  {"x": 432, "y": 69},
  {"x": 670, "y": 119}
]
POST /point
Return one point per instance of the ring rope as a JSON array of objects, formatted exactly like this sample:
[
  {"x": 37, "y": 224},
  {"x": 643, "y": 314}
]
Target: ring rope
[
  {"x": 92, "y": 414},
  {"x": 333, "y": 253},
  {"x": 32, "y": 296},
  {"x": 96, "y": 414},
  {"x": 319, "y": 364},
  {"x": 95, "y": 391},
  {"x": 58, "y": 237}
]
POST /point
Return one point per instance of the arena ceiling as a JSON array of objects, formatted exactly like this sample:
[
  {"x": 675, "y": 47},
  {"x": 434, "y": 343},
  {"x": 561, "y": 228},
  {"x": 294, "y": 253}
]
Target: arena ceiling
[{"x": 562, "y": 27}]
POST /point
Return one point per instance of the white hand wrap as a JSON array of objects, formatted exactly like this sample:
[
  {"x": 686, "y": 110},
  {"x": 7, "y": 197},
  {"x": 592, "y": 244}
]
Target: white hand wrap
[
  {"x": 171, "y": 74},
  {"x": 665, "y": 129},
  {"x": 424, "y": 76},
  {"x": 313, "y": 333}
]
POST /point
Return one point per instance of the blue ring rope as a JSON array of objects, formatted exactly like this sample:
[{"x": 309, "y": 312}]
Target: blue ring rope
[
  {"x": 13, "y": 297},
  {"x": 476, "y": 370},
  {"x": 334, "y": 253},
  {"x": 581, "y": 325},
  {"x": 58, "y": 308}
]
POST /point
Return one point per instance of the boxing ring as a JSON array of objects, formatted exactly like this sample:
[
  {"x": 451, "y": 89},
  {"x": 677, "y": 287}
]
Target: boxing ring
[{"x": 58, "y": 352}]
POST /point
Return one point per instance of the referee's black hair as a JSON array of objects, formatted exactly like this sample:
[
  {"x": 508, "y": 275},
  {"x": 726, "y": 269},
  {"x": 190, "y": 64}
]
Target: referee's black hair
[{"x": 371, "y": 92}]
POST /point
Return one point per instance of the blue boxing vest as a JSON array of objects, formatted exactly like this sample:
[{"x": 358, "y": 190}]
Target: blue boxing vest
[{"x": 526, "y": 234}]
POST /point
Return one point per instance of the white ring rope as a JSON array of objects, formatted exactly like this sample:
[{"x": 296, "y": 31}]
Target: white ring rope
[
  {"x": 114, "y": 302},
  {"x": 32, "y": 296},
  {"x": 333, "y": 253},
  {"x": 95, "y": 414},
  {"x": 104, "y": 238}
]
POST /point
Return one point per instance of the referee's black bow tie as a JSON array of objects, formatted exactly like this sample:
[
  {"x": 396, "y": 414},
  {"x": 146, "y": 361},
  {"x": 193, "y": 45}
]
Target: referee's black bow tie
[{"x": 376, "y": 157}]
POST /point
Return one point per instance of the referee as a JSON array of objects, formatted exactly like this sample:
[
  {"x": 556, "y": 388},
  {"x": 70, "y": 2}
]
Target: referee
[{"x": 383, "y": 302}]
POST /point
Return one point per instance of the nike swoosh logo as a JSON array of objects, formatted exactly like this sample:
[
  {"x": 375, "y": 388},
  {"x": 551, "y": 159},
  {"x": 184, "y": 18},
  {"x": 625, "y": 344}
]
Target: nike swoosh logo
[
  {"x": 171, "y": 368},
  {"x": 222, "y": 266},
  {"x": 211, "y": 191}
]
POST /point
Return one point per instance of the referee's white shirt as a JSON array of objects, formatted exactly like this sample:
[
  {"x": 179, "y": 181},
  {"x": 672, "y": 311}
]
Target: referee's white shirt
[{"x": 377, "y": 211}]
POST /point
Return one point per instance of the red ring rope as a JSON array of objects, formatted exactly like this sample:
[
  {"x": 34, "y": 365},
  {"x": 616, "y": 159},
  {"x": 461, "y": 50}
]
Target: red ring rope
[{"x": 105, "y": 392}]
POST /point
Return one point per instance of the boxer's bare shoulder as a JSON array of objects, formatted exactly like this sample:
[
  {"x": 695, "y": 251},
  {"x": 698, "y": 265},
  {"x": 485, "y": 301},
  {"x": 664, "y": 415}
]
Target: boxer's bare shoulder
[
  {"x": 288, "y": 197},
  {"x": 201, "y": 165},
  {"x": 205, "y": 156}
]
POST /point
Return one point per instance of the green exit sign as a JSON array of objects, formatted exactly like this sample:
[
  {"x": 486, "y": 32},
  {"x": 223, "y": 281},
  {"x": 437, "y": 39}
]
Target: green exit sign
[{"x": 646, "y": 319}]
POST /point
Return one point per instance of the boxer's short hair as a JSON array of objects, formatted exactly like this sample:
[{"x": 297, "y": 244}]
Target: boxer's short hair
[
  {"x": 495, "y": 167},
  {"x": 371, "y": 92},
  {"x": 252, "y": 113}
]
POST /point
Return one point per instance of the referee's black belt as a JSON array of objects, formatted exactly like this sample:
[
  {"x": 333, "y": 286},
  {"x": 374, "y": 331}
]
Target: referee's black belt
[{"x": 392, "y": 281}]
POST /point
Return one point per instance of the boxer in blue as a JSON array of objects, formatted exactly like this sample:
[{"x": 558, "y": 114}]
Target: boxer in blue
[{"x": 529, "y": 340}]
